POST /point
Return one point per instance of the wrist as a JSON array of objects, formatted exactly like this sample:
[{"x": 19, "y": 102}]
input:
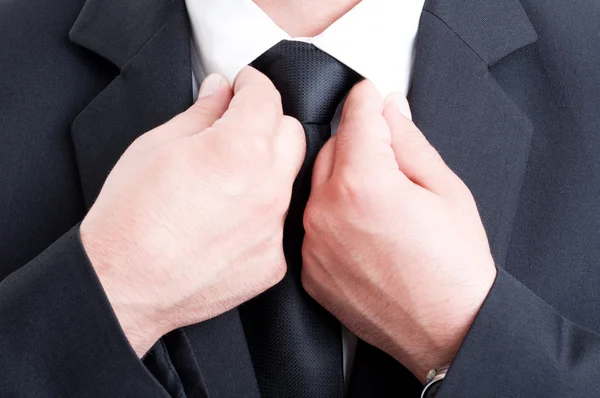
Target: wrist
[
  {"x": 435, "y": 356},
  {"x": 137, "y": 318},
  {"x": 441, "y": 335},
  {"x": 142, "y": 332}
]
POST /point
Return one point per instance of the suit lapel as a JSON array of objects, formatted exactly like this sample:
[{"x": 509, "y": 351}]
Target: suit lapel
[
  {"x": 465, "y": 114},
  {"x": 154, "y": 83},
  {"x": 479, "y": 131},
  {"x": 149, "y": 42}
]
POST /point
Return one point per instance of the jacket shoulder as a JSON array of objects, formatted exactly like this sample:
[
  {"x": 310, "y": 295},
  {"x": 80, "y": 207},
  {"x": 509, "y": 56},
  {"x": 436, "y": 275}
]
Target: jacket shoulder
[
  {"x": 41, "y": 70},
  {"x": 35, "y": 46}
]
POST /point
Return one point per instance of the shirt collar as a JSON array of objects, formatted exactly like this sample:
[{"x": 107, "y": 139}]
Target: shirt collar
[{"x": 376, "y": 38}]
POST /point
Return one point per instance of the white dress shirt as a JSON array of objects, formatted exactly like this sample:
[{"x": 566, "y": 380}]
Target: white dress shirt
[{"x": 376, "y": 39}]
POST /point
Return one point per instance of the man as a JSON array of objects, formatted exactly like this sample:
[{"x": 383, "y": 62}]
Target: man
[{"x": 141, "y": 251}]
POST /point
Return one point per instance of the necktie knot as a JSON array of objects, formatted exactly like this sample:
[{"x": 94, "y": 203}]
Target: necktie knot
[{"x": 311, "y": 82}]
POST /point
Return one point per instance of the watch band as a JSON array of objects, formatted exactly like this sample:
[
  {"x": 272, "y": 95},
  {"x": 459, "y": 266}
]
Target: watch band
[{"x": 433, "y": 381}]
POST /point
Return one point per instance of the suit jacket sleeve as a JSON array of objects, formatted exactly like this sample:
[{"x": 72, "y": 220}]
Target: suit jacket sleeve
[
  {"x": 519, "y": 346},
  {"x": 59, "y": 336}
]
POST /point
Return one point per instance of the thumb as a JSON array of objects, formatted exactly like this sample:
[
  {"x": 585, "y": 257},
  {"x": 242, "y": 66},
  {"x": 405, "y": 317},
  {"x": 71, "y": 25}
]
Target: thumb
[
  {"x": 416, "y": 157},
  {"x": 363, "y": 138},
  {"x": 213, "y": 100}
]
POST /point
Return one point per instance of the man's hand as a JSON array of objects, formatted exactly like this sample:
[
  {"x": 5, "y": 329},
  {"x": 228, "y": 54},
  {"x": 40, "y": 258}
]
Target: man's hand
[
  {"x": 189, "y": 224},
  {"x": 394, "y": 244}
]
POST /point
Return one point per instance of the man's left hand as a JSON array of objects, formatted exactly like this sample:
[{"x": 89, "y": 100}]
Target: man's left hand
[{"x": 394, "y": 244}]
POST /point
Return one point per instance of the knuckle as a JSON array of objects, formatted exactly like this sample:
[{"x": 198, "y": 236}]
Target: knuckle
[
  {"x": 275, "y": 97},
  {"x": 289, "y": 155},
  {"x": 239, "y": 153},
  {"x": 292, "y": 128},
  {"x": 463, "y": 190},
  {"x": 306, "y": 278},
  {"x": 271, "y": 198},
  {"x": 361, "y": 192},
  {"x": 353, "y": 185},
  {"x": 281, "y": 202},
  {"x": 257, "y": 156},
  {"x": 272, "y": 103},
  {"x": 311, "y": 219},
  {"x": 309, "y": 281},
  {"x": 256, "y": 122},
  {"x": 251, "y": 152},
  {"x": 277, "y": 272},
  {"x": 299, "y": 135}
]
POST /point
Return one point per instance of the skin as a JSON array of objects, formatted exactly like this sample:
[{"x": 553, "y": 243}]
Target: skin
[
  {"x": 394, "y": 244},
  {"x": 189, "y": 223},
  {"x": 305, "y": 18}
]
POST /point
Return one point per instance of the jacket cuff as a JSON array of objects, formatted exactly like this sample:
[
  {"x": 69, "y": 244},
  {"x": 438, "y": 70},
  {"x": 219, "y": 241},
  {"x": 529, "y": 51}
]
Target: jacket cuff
[
  {"x": 62, "y": 336},
  {"x": 519, "y": 346}
]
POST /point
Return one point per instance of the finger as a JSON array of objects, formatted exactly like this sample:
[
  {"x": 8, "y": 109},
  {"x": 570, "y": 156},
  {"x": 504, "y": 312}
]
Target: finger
[
  {"x": 213, "y": 100},
  {"x": 323, "y": 168},
  {"x": 255, "y": 110},
  {"x": 291, "y": 146},
  {"x": 363, "y": 134},
  {"x": 416, "y": 158}
]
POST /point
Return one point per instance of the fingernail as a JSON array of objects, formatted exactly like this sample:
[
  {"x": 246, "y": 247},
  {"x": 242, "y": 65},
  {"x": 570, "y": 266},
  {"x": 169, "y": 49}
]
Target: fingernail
[
  {"x": 401, "y": 103},
  {"x": 210, "y": 85}
]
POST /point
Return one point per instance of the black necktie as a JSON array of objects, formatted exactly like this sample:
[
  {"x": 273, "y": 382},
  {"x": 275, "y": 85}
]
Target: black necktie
[{"x": 294, "y": 343}]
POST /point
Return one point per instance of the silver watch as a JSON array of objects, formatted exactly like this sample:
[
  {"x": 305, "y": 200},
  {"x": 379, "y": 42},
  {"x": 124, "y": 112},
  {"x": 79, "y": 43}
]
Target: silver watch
[{"x": 433, "y": 381}]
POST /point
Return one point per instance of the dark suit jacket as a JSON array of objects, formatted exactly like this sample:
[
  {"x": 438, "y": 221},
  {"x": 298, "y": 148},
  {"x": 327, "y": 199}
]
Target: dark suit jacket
[{"x": 508, "y": 91}]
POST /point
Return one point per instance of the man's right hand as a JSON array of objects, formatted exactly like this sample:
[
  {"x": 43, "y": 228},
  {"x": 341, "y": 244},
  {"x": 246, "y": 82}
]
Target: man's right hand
[{"x": 189, "y": 223}]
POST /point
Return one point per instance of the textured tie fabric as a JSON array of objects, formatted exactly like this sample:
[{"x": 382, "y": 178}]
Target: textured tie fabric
[{"x": 295, "y": 345}]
